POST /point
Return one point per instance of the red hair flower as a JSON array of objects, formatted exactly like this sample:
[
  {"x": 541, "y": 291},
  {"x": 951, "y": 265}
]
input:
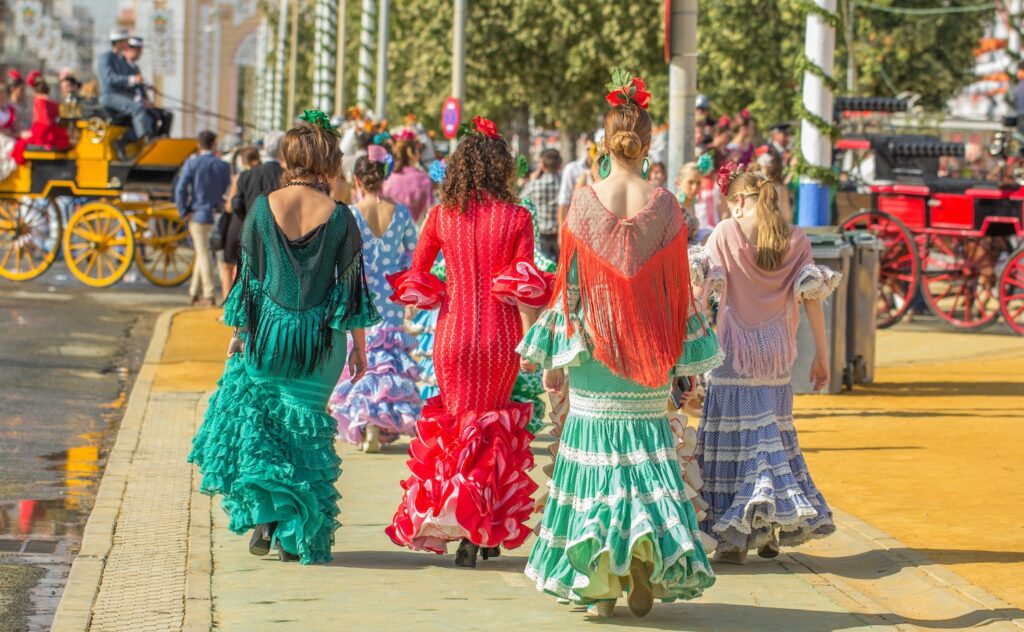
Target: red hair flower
[
  {"x": 486, "y": 127},
  {"x": 726, "y": 174},
  {"x": 625, "y": 88},
  {"x": 33, "y": 77}
]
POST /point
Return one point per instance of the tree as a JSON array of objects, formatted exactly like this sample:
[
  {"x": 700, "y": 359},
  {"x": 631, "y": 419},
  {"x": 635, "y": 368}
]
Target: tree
[
  {"x": 549, "y": 59},
  {"x": 932, "y": 55}
]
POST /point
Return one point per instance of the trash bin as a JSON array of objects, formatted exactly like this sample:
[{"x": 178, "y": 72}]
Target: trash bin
[
  {"x": 861, "y": 307},
  {"x": 833, "y": 250}
]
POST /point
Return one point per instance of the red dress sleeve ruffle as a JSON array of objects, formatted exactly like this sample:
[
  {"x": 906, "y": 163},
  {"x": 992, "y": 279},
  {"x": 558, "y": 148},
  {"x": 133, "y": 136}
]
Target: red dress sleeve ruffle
[
  {"x": 522, "y": 282},
  {"x": 419, "y": 289}
]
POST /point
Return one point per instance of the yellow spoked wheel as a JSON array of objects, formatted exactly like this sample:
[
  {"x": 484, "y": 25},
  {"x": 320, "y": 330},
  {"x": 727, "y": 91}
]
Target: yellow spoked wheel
[
  {"x": 98, "y": 244},
  {"x": 29, "y": 237},
  {"x": 163, "y": 250}
]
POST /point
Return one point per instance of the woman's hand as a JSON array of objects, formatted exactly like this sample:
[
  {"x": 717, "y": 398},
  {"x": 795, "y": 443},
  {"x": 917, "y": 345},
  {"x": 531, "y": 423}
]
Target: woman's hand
[
  {"x": 527, "y": 366},
  {"x": 357, "y": 363},
  {"x": 554, "y": 380},
  {"x": 237, "y": 345},
  {"x": 820, "y": 372}
]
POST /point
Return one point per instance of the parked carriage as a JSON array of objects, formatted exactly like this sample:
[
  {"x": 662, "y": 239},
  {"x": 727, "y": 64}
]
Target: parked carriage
[
  {"x": 120, "y": 212},
  {"x": 954, "y": 245}
]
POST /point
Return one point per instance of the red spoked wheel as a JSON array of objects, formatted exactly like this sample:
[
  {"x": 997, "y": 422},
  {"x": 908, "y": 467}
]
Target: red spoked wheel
[
  {"x": 900, "y": 266},
  {"x": 959, "y": 276},
  {"x": 1011, "y": 292}
]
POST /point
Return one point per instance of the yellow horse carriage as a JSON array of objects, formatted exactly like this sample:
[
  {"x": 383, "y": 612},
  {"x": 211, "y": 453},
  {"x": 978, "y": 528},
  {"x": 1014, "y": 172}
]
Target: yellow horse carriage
[{"x": 120, "y": 211}]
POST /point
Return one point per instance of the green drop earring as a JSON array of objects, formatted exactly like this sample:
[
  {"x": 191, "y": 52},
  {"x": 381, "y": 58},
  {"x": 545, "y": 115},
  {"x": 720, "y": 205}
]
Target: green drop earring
[
  {"x": 604, "y": 166},
  {"x": 645, "y": 170}
]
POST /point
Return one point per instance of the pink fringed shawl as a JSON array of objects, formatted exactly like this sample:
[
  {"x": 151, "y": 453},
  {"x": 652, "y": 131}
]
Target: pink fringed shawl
[{"x": 758, "y": 314}]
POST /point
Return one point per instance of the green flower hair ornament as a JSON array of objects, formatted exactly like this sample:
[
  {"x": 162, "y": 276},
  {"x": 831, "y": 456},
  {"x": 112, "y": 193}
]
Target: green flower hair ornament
[
  {"x": 705, "y": 164},
  {"x": 316, "y": 118},
  {"x": 522, "y": 166}
]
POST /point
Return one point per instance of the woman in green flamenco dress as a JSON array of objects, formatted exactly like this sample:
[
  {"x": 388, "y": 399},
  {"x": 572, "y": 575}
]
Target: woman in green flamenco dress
[
  {"x": 267, "y": 442},
  {"x": 617, "y": 517}
]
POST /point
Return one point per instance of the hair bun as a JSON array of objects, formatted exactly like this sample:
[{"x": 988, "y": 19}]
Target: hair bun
[{"x": 626, "y": 143}]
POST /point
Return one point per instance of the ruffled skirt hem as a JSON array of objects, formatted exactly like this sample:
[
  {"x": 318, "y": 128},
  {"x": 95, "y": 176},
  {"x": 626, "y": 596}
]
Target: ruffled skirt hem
[
  {"x": 468, "y": 479},
  {"x": 756, "y": 481},
  {"x": 272, "y": 461}
]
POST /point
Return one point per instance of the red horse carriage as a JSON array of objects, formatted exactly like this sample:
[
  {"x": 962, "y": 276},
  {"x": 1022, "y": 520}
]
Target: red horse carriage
[{"x": 953, "y": 244}]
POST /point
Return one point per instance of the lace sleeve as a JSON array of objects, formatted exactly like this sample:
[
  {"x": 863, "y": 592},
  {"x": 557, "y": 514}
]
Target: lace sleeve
[{"x": 815, "y": 282}]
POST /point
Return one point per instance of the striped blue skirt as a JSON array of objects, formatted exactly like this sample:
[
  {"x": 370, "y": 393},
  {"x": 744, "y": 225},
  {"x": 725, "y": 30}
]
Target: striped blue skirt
[{"x": 755, "y": 478}]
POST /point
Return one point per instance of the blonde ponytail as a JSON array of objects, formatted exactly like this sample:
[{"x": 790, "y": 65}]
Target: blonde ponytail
[{"x": 772, "y": 228}]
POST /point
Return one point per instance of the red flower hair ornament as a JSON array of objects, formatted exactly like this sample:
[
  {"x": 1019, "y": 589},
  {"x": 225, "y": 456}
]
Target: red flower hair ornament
[
  {"x": 625, "y": 89},
  {"x": 486, "y": 127},
  {"x": 726, "y": 174}
]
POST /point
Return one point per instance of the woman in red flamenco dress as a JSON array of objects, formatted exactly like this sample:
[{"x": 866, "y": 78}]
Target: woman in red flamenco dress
[
  {"x": 46, "y": 131},
  {"x": 470, "y": 459}
]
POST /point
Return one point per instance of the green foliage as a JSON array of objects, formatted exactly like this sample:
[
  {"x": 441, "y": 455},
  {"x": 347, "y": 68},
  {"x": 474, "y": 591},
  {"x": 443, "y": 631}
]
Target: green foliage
[
  {"x": 550, "y": 59},
  {"x": 931, "y": 55}
]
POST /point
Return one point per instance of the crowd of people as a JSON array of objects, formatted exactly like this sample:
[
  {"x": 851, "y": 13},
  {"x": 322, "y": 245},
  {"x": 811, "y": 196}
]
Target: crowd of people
[{"x": 338, "y": 285}]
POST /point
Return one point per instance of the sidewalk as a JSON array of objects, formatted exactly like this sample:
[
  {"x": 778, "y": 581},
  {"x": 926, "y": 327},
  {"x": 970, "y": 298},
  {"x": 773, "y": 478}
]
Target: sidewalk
[{"x": 156, "y": 555}]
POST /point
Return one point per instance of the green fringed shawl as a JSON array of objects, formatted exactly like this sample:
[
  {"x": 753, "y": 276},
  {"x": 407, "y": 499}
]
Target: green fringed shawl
[{"x": 293, "y": 293}]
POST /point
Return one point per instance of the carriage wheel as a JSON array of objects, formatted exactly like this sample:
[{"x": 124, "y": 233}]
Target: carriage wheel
[
  {"x": 959, "y": 279},
  {"x": 98, "y": 244},
  {"x": 900, "y": 265},
  {"x": 29, "y": 237},
  {"x": 164, "y": 252},
  {"x": 1011, "y": 292}
]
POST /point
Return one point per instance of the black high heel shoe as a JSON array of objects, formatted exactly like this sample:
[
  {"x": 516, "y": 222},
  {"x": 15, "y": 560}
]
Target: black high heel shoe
[
  {"x": 262, "y": 536},
  {"x": 466, "y": 555},
  {"x": 490, "y": 551}
]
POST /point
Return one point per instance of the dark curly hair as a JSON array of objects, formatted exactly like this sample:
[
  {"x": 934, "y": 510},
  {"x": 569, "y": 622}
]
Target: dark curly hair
[
  {"x": 370, "y": 173},
  {"x": 480, "y": 166}
]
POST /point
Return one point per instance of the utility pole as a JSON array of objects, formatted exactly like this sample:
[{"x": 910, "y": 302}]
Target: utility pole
[
  {"x": 339, "y": 60},
  {"x": 459, "y": 57},
  {"x": 851, "y": 61},
  {"x": 293, "y": 53},
  {"x": 382, "y": 59},
  {"x": 682, "y": 84},
  {"x": 819, "y": 45},
  {"x": 366, "y": 54},
  {"x": 282, "y": 35}
]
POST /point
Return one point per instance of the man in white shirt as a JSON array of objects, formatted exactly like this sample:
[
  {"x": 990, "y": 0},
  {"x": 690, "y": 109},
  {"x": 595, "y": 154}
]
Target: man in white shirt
[{"x": 570, "y": 174}]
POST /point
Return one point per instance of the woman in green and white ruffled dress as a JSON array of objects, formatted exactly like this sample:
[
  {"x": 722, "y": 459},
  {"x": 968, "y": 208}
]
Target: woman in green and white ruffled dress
[{"x": 617, "y": 517}]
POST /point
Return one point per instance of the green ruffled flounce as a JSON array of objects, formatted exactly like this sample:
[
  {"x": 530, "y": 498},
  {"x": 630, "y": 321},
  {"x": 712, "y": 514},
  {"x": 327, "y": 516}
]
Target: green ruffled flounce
[
  {"x": 616, "y": 493},
  {"x": 272, "y": 461}
]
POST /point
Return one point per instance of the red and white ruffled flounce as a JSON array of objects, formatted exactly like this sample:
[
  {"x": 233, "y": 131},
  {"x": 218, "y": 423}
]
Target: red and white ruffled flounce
[
  {"x": 522, "y": 282},
  {"x": 469, "y": 479},
  {"x": 419, "y": 289}
]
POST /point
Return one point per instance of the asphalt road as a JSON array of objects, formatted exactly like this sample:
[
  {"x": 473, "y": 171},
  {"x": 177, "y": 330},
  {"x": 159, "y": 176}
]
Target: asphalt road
[{"x": 68, "y": 355}]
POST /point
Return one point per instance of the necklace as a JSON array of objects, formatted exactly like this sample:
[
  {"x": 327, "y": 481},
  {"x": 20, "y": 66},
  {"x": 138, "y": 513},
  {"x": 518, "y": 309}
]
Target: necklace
[{"x": 316, "y": 186}]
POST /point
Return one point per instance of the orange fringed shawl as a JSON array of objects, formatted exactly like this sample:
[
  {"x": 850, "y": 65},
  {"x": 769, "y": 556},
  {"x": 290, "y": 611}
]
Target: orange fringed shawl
[{"x": 634, "y": 280}]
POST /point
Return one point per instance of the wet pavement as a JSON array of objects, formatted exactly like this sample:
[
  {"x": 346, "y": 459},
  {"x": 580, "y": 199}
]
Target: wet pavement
[{"x": 68, "y": 355}]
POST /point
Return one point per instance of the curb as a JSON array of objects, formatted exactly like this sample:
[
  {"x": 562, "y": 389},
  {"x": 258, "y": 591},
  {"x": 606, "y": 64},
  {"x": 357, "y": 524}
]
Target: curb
[{"x": 74, "y": 612}]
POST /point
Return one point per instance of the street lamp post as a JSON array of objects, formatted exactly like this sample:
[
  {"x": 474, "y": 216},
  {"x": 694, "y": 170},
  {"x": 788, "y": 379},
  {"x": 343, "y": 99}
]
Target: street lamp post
[
  {"x": 339, "y": 60},
  {"x": 382, "y": 59},
  {"x": 293, "y": 53},
  {"x": 459, "y": 57}
]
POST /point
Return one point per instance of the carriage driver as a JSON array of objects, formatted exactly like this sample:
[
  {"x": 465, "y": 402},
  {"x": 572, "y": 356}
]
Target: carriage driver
[
  {"x": 161, "y": 118},
  {"x": 117, "y": 87}
]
